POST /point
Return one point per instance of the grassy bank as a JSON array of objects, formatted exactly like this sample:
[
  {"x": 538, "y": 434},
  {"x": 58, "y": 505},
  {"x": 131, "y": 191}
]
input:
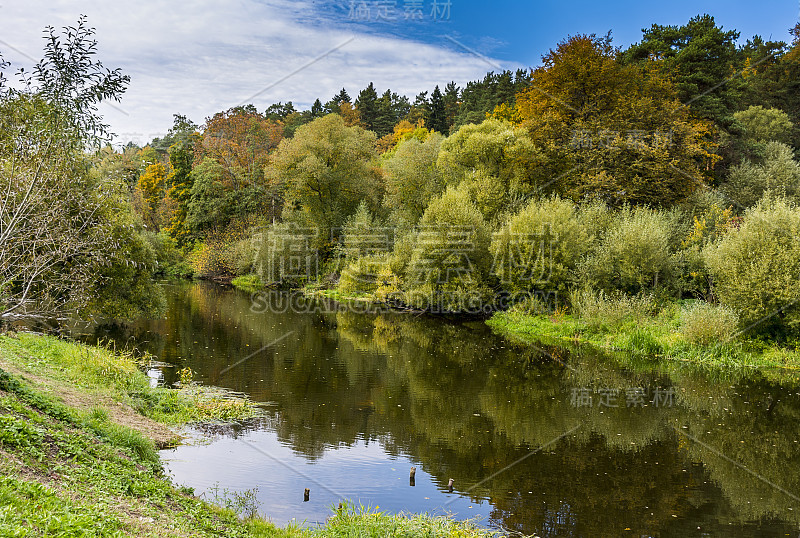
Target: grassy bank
[
  {"x": 79, "y": 428},
  {"x": 662, "y": 336}
]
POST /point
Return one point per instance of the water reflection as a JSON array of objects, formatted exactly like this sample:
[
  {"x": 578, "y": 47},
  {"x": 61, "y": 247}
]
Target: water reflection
[{"x": 355, "y": 400}]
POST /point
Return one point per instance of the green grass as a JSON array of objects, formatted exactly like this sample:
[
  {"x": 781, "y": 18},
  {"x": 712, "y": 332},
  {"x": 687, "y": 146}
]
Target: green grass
[
  {"x": 359, "y": 521},
  {"x": 657, "y": 338},
  {"x": 250, "y": 283}
]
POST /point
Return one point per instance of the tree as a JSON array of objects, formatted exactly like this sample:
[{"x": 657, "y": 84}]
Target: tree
[
  {"x": 540, "y": 247},
  {"x": 495, "y": 162},
  {"x": 60, "y": 237},
  {"x": 437, "y": 114},
  {"x": 240, "y": 140},
  {"x": 776, "y": 171},
  {"x": 755, "y": 267},
  {"x": 765, "y": 124},
  {"x": 701, "y": 58},
  {"x": 316, "y": 109},
  {"x": 367, "y": 106},
  {"x": 180, "y": 182},
  {"x": 610, "y": 130},
  {"x": 151, "y": 187},
  {"x": 332, "y": 106},
  {"x": 412, "y": 177},
  {"x": 449, "y": 267},
  {"x": 326, "y": 170}
]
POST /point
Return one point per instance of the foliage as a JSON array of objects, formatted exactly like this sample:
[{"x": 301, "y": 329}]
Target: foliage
[
  {"x": 755, "y": 267},
  {"x": 284, "y": 254},
  {"x": 214, "y": 203},
  {"x": 363, "y": 235},
  {"x": 224, "y": 251},
  {"x": 699, "y": 56},
  {"x": 635, "y": 254},
  {"x": 151, "y": 186},
  {"x": 765, "y": 124},
  {"x": 777, "y": 172},
  {"x": 326, "y": 170},
  {"x": 412, "y": 177},
  {"x": 494, "y": 161},
  {"x": 57, "y": 231},
  {"x": 240, "y": 140},
  {"x": 601, "y": 310},
  {"x": 705, "y": 324},
  {"x": 169, "y": 260},
  {"x": 611, "y": 130},
  {"x": 540, "y": 247},
  {"x": 450, "y": 263}
]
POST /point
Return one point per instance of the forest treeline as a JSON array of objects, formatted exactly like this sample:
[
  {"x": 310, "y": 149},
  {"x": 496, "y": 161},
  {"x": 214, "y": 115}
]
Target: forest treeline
[{"x": 667, "y": 169}]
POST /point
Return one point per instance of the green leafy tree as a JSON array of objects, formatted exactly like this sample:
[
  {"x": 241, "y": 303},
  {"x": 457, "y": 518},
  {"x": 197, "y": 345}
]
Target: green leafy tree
[
  {"x": 540, "y": 247},
  {"x": 412, "y": 177},
  {"x": 635, "y": 254},
  {"x": 765, "y": 124},
  {"x": 326, "y": 170},
  {"x": 63, "y": 229},
  {"x": 495, "y": 162},
  {"x": 449, "y": 268},
  {"x": 776, "y": 171}
]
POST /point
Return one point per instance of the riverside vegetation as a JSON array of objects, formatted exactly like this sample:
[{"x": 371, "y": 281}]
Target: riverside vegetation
[{"x": 619, "y": 197}]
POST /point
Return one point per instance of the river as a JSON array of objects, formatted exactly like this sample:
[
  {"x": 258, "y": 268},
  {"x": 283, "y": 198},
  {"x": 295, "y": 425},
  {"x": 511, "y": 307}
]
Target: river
[{"x": 541, "y": 439}]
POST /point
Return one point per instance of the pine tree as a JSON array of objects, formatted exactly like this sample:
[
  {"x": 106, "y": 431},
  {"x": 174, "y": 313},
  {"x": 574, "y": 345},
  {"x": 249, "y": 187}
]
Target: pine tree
[
  {"x": 437, "y": 117},
  {"x": 367, "y": 106}
]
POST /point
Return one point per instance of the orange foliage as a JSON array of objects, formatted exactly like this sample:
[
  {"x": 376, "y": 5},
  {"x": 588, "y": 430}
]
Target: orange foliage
[{"x": 241, "y": 140}]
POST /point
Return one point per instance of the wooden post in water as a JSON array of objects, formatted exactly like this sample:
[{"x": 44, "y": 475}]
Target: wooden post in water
[
  {"x": 306, "y": 494},
  {"x": 450, "y": 486},
  {"x": 412, "y": 481}
]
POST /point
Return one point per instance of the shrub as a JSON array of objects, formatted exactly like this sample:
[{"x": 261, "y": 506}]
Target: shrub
[
  {"x": 284, "y": 254},
  {"x": 361, "y": 276},
  {"x": 540, "y": 247},
  {"x": 756, "y": 267},
  {"x": 635, "y": 254},
  {"x": 450, "y": 263},
  {"x": 601, "y": 310},
  {"x": 170, "y": 262},
  {"x": 363, "y": 234},
  {"x": 704, "y": 324},
  {"x": 224, "y": 251},
  {"x": 777, "y": 172}
]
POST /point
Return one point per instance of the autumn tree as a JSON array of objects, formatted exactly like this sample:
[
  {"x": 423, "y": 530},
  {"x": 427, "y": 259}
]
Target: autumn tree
[
  {"x": 611, "y": 130},
  {"x": 151, "y": 187},
  {"x": 240, "y": 140}
]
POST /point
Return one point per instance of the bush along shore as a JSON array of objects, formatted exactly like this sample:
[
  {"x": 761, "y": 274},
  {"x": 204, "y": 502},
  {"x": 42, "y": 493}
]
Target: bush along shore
[
  {"x": 79, "y": 431},
  {"x": 696, "y": 283}
]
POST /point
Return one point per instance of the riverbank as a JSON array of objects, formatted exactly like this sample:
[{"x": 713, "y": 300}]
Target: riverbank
[
  {"x": 79, "y": 428},
  {"x": 657, "y": 338}
]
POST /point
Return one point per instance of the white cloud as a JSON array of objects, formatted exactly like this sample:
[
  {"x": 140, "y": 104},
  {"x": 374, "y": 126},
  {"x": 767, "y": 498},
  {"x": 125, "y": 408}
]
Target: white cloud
[{"x": 199, "y": 58}]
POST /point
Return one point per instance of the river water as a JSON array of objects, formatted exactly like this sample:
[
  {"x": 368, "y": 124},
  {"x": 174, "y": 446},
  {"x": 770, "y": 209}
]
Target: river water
[{"x": 545, "y": 440}]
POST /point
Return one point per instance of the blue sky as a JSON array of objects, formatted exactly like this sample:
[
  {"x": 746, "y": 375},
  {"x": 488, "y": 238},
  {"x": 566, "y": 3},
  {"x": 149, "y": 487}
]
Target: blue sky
[{"x": 202, "y": 57}]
